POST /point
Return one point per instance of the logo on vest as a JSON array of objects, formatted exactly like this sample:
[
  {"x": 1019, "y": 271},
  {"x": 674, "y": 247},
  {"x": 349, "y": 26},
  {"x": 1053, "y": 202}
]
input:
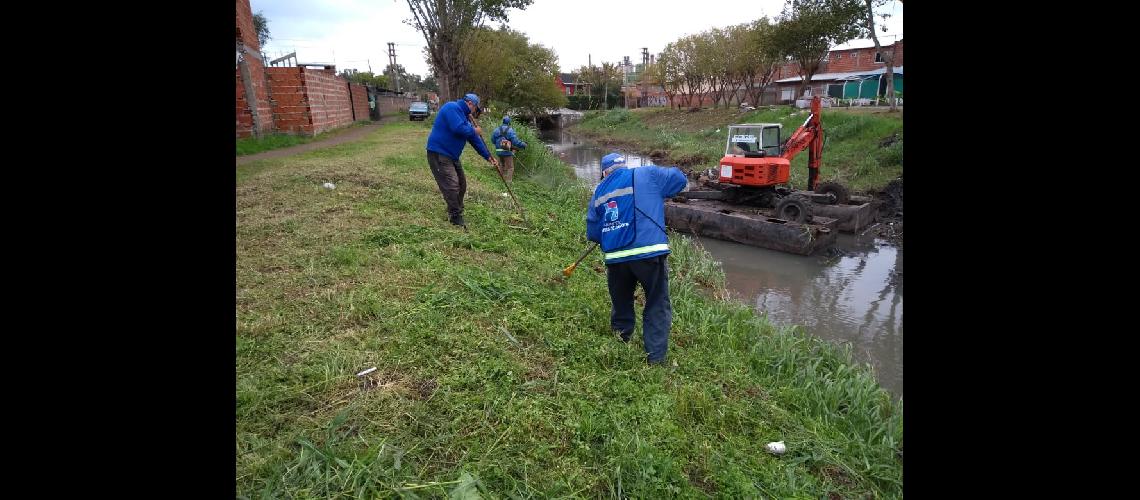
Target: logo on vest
[{"x": 611, "y": 211}]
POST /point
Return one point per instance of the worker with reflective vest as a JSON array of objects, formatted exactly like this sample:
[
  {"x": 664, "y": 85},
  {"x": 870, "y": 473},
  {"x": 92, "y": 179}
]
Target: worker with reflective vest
[
  {"x": 626, "y": 217},
  {"x": 506, "y": 142}
]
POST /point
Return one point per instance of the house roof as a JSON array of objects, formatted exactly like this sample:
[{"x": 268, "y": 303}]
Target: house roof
[
  {"x": 898, "y": 70},
  {"x": 568, "y": 79}
]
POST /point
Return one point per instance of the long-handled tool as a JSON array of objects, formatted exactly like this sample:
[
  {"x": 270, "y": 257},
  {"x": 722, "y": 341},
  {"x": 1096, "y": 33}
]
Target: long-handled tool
[
  {"x": 500, "y": 172},
  {"x": 569, "y": 270}
]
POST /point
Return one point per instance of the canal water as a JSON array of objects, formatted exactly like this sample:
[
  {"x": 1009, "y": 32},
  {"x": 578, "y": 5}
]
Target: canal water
[{"x": 855, "y": 298}]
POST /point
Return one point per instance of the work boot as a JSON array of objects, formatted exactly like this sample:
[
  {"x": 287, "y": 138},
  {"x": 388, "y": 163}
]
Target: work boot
[
  {"x": 623, "y": 336},
  {"x": 458, "y": 221}
]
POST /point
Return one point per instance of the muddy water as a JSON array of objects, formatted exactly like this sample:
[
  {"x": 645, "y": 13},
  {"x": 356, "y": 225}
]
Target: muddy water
[{"x": 855, "y": 298}]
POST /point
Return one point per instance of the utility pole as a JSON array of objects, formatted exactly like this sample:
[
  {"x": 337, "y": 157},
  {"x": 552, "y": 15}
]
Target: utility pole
[
  {"x": 644, "y": 74},
  {"x": 392, "y": 64}
]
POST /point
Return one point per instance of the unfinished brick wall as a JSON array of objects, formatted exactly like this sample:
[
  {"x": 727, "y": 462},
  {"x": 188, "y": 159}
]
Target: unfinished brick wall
[
  {"x": 289, "y": 101},
  {"x": 294, "y": 100},
  {"x": 329, "y": 105},
  {"x": 308, "y": 101},
  {"x": 359, "y": 101},
  {"x": 249, "y": 48}
]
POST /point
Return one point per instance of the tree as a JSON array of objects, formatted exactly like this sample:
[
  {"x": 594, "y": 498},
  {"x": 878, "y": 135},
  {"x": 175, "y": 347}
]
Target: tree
[
  {"x": 401, "y": 79},
  {"x": 888, "y": 57},
  {"x": 662, "y": 72},
  {"x": 261, "y": 26},
  {"x": 808, "y": 29},
  {"x": 651, "y": 75},
  {"x": 668, "y": 72},
  {"x": 761, "y": 58},
  {"x": 446, "y": 26},
  {"x": 737, "y": 61},
  {"x": 683, "y": 63},
  {"x": 366, "y": 78},
  {"x": 430, "y": 84},
  {"x": 715, "y": 50},
  {"x": 605, "y": 79},
  {"x": 505, "y": 67}
]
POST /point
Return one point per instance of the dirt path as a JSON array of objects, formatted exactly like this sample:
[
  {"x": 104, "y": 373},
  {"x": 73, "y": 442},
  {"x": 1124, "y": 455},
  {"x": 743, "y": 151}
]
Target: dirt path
[{"x": 355, "y": 133}]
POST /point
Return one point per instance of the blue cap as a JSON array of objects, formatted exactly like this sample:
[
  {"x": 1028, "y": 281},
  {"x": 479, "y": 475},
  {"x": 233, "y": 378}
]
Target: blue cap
[
  {"x": 506, "y": 120},
  {"x": 612, "y": 161},
  {"x": 473, "y": 98}
]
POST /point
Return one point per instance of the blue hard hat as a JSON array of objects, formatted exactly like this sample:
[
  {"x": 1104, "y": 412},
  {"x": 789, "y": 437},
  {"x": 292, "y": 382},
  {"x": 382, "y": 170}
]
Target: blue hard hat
[{"x": 473, "y": 98}]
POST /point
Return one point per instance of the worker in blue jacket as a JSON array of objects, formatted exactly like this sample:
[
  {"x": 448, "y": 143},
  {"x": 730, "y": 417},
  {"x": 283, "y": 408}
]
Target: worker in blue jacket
[
  {"x": 626, "y": 217},
  {"x": 449, "y": 132},
  {"x": 506, "y": 142}
]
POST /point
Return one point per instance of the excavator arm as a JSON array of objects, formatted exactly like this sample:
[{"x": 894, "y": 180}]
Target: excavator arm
[{"x": 809, "y": 136}]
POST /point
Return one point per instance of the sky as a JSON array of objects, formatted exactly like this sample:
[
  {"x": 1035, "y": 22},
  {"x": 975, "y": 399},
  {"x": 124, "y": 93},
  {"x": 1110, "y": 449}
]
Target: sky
[{"x": 355, "y": 33}]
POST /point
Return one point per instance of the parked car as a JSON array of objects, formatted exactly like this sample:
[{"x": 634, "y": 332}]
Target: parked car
[{"x": 418, "y": 111}]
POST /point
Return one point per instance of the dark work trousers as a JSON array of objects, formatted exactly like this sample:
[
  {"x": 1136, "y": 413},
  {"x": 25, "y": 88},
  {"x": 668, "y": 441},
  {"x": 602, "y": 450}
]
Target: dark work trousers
[
  {"x": 657, "y": 318},
  {"x": 451, "y": 181}
]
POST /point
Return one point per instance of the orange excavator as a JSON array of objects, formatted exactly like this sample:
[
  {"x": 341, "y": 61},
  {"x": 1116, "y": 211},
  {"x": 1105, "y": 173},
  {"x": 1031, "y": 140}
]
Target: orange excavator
[{"x": 756, "y": 166}]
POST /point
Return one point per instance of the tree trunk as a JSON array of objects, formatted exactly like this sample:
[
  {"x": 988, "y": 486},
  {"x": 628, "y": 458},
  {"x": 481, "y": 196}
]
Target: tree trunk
[{"x": 888, "y": 61}]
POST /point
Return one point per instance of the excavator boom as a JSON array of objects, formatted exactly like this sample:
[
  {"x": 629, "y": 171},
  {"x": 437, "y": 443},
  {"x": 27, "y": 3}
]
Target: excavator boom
[{"x": 809, "y": 136}]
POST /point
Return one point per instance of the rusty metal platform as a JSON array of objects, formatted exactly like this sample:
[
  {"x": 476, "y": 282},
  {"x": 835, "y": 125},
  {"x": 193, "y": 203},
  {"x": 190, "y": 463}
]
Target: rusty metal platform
[{"x": 860, "y": 213}]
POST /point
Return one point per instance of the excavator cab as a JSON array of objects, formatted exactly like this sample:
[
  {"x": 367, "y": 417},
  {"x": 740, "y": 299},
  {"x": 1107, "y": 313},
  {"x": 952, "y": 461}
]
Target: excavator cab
[
  {"x": 752, "y": 156},
  {"x": 753, "y": 140}
]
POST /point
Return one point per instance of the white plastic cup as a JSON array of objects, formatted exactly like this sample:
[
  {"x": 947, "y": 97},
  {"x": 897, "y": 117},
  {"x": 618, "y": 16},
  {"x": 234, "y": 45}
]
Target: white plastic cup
[{"x": 776, "y": 448}]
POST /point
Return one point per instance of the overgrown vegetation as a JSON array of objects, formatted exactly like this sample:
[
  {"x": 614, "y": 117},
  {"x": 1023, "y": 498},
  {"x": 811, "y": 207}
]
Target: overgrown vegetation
[
  {"x": 252, "y": 145},
  {"x": 495, "y": 375},
  {"x": 862, "y": 150}
]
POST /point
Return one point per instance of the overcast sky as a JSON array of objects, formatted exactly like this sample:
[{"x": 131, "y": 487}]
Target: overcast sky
[{"x": 355, "y": 33}]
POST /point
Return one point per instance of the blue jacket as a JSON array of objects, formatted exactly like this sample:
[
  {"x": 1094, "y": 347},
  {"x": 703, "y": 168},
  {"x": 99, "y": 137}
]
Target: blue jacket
[
  {"x": 641, "y": 191},
  {"x": 506, "y": 132},
  {"x": 451, "y": 129}
]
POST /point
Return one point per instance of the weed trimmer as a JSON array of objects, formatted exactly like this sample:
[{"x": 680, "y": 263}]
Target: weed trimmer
[
  {"x": 570, "y": 270},
  {"x": 500, "y": 172}
]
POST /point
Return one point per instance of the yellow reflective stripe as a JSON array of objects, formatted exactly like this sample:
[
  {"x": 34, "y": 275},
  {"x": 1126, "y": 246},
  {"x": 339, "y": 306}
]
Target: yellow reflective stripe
[{"x": 637, "y": 251}]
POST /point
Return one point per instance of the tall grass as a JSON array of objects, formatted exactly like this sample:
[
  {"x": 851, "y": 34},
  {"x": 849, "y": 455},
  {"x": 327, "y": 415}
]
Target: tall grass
[{"x": 496, "y": 375}]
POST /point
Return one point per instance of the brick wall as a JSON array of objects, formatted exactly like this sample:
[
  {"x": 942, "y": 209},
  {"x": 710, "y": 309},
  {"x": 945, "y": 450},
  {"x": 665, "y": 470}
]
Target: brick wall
[
  {"x": 289, "y": 101},
  {"x": 359, "y": 101},
  {"x": 310, "y": 101},
  {"x": 329, "y": 104},
  {"x": 390, "y": 104},
  {"x": 847, "y": 61},
  {"x": 300, "y": 101},
  {"x": 247, "y": 39}
]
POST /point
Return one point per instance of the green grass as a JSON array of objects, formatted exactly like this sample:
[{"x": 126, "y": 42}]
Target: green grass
[
  {"x": 494, "y": 374},
  {"x": 252, "y": 145},
  {"x": 852, "y": 152}
]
